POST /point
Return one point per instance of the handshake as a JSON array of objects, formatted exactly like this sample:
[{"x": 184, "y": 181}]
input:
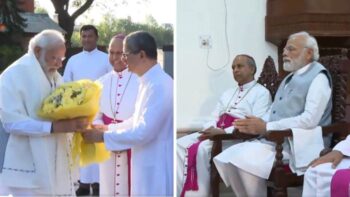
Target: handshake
[
  {"x": 70, "y": 125},
  {"x": 91, "y": 133}
]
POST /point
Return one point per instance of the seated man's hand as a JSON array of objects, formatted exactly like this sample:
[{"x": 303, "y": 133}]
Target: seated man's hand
[
  {"x": 212, "y": 131},
  {"x": 95, "y": 134},
  {"x": 333, "y": 157},
  {"x": 250, "y": 125},
  {"x": 70, "y": 125}
]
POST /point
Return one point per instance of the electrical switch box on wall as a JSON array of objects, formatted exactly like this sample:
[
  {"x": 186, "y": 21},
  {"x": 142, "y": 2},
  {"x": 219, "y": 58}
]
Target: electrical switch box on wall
[{"x": 205, "y": 42}]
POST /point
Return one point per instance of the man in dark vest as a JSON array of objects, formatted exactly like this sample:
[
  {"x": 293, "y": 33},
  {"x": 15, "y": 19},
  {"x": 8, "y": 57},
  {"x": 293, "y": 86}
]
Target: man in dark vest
[{"x": 303, "y": 100}]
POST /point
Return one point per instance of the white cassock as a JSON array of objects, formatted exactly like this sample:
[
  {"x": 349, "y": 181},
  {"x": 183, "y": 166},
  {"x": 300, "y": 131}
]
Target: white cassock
[
  {"x": 248, "y": 99},
  {"x": 117, "y": 102},
  {"x": 87, "y": 65},
  {"x": 247, "y": 172},
  {"x": 317, "y": 180},
  {"x": 36, "y": 162},
  {"x": 149, "y": 135}
]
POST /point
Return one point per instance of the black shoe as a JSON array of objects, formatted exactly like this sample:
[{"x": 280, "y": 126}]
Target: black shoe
[
  {"x": 83, "y": 191},
  {"x": 95, "y": 189}
]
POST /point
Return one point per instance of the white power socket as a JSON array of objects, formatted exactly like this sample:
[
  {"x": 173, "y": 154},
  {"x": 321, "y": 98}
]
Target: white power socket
[{"x": 205, "y": 42}]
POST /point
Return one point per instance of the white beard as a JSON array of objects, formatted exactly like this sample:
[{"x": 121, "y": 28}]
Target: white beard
[
  {"x": 294, "y": 64},
  {"x": 42, "y": 62}
]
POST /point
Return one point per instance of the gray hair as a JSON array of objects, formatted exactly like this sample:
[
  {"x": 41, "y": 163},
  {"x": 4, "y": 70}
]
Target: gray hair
[
  {"x": 45, "y": 39},
  {"x": 311, "y": 43},
  {"x": 141, "y": 40},
  {"x": 250, "y": 61}
]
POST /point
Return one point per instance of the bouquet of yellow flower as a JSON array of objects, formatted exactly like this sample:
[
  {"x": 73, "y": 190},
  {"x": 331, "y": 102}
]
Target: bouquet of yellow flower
[{"x": 72, "y": 100}]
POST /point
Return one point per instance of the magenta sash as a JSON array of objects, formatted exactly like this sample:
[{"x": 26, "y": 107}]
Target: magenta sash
[
  {"x": 191, "y": 182},
  {"x": 225, "y": 121},
  {"x": 340, "y": 183},
  {"x": 107, "y": 120}
]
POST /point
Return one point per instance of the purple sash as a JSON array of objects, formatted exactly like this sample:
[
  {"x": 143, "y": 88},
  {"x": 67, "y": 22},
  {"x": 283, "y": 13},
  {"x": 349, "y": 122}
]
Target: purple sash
[
  {"x": 225, "y": 121},
  {"x": 107, "y": 120},
  {"x": 340, "y": 183},
  {"x": 191, "y": 182}
]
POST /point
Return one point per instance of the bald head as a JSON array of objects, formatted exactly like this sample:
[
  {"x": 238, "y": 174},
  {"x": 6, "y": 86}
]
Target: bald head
[
  {"x": 243, "y": 68},
  {"x": 115, "y": 52}
]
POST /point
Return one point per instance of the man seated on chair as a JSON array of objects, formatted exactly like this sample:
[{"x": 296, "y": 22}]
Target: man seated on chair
[
  {"x": 249, "y": 98},
  {"x": 303, "y": 100},
  {"x": 318, "y": 178}
]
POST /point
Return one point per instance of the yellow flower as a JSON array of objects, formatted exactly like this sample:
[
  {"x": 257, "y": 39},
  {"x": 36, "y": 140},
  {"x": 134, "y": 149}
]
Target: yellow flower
[{"x": 72, "y": 100}]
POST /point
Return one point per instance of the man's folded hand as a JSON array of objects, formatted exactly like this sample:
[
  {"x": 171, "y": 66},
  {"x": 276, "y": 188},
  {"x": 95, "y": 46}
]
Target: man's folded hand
[
  {"x": 94, "y": 135},
  {"x": 70, "y": 125},
  {"x": 210, "y": 132}
]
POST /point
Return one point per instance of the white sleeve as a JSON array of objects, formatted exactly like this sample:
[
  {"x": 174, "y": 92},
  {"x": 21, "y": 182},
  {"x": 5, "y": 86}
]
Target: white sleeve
[
  {"x": 28, "y": 127},
  {"x": 262, "y": 104},
  {"x": 67, "y": 74},
  {"x": 344, "y": 146},
  {"x": 316, "y": 102},
  {"x": 98, "y": 119},
  {"x": 158, "y": 107},
  {"x": 215, "y": 114}
]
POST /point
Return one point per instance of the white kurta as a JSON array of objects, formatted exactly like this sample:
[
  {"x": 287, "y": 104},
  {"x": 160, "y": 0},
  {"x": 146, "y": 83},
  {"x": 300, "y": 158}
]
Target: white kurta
[
  {"x": 249, "y": 99},
  {"x": 117, "y": 102},
  {"x": 87, "y": 65},
  {"x": 149, "y": 134},
  {"x": 246, "y": 175},
  {"x": 36, "y": 162},
  {"x": 317, "y": 180}
]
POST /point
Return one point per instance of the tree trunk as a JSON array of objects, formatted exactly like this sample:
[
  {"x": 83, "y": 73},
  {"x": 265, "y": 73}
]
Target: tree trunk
[{"x": 67, "y": 21}]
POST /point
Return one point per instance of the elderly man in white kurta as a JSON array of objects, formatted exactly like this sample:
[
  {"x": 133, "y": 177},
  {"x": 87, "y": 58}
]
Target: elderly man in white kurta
[
  {"x": 117, "y": 104},
  {"x": 91, "y": 63},
  {"x": 317, "y": 179},
  {"x": 149, "y": 133},
  {"x": 36, "y": 159},
  {"x": 303, "y": 100},
  {"x": 249, "y": 98}
]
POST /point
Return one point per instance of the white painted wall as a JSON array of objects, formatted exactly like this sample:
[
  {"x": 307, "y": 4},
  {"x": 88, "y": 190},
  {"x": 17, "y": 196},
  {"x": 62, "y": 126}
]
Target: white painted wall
[{"x": 198, "y": 88}]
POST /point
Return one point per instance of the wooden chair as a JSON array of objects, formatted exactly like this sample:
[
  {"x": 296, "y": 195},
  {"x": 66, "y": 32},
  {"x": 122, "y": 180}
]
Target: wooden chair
[{"x": 281, "y": 178}]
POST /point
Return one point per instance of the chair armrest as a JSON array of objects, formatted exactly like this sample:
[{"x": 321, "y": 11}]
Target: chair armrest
[
  {"x": 235, "y": 135},
  {"x": 341, "y": 127},
  {"x": 226, "y": 136},
  {"x": 278, "y": 136}
]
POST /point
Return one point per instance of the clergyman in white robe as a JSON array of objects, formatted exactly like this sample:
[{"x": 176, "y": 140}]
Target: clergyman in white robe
[
  {"x": 149, "y": 135},
  {"x": 248, "y": 99},
  {"x": 117, "y": 103}
]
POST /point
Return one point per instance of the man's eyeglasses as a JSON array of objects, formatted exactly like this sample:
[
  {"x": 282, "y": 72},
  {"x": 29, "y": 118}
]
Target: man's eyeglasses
[
  {"x": 291, "y": 48},
  {"x": 125, "y": 55}
]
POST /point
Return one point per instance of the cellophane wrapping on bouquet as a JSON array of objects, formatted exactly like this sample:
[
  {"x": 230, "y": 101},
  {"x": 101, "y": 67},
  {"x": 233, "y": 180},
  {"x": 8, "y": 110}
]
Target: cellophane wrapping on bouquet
[{"x": 72, "y": 100}]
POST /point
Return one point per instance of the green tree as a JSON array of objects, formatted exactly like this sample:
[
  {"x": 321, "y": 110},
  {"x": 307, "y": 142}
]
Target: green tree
[
  {"x": 11, "y": 28},
  {"x": 110, "y": 26},
  {"x": 11, "y": 22}
]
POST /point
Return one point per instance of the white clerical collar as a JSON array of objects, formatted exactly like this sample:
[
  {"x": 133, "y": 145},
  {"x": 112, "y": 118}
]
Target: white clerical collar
[
  {"x": 246, "y": 86},
  {"x": 122, "y": 73},
  {"x": 302, "y": 70},
  {"x": 90, "y": 52},
  {"x": 149, "y": 74}
]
